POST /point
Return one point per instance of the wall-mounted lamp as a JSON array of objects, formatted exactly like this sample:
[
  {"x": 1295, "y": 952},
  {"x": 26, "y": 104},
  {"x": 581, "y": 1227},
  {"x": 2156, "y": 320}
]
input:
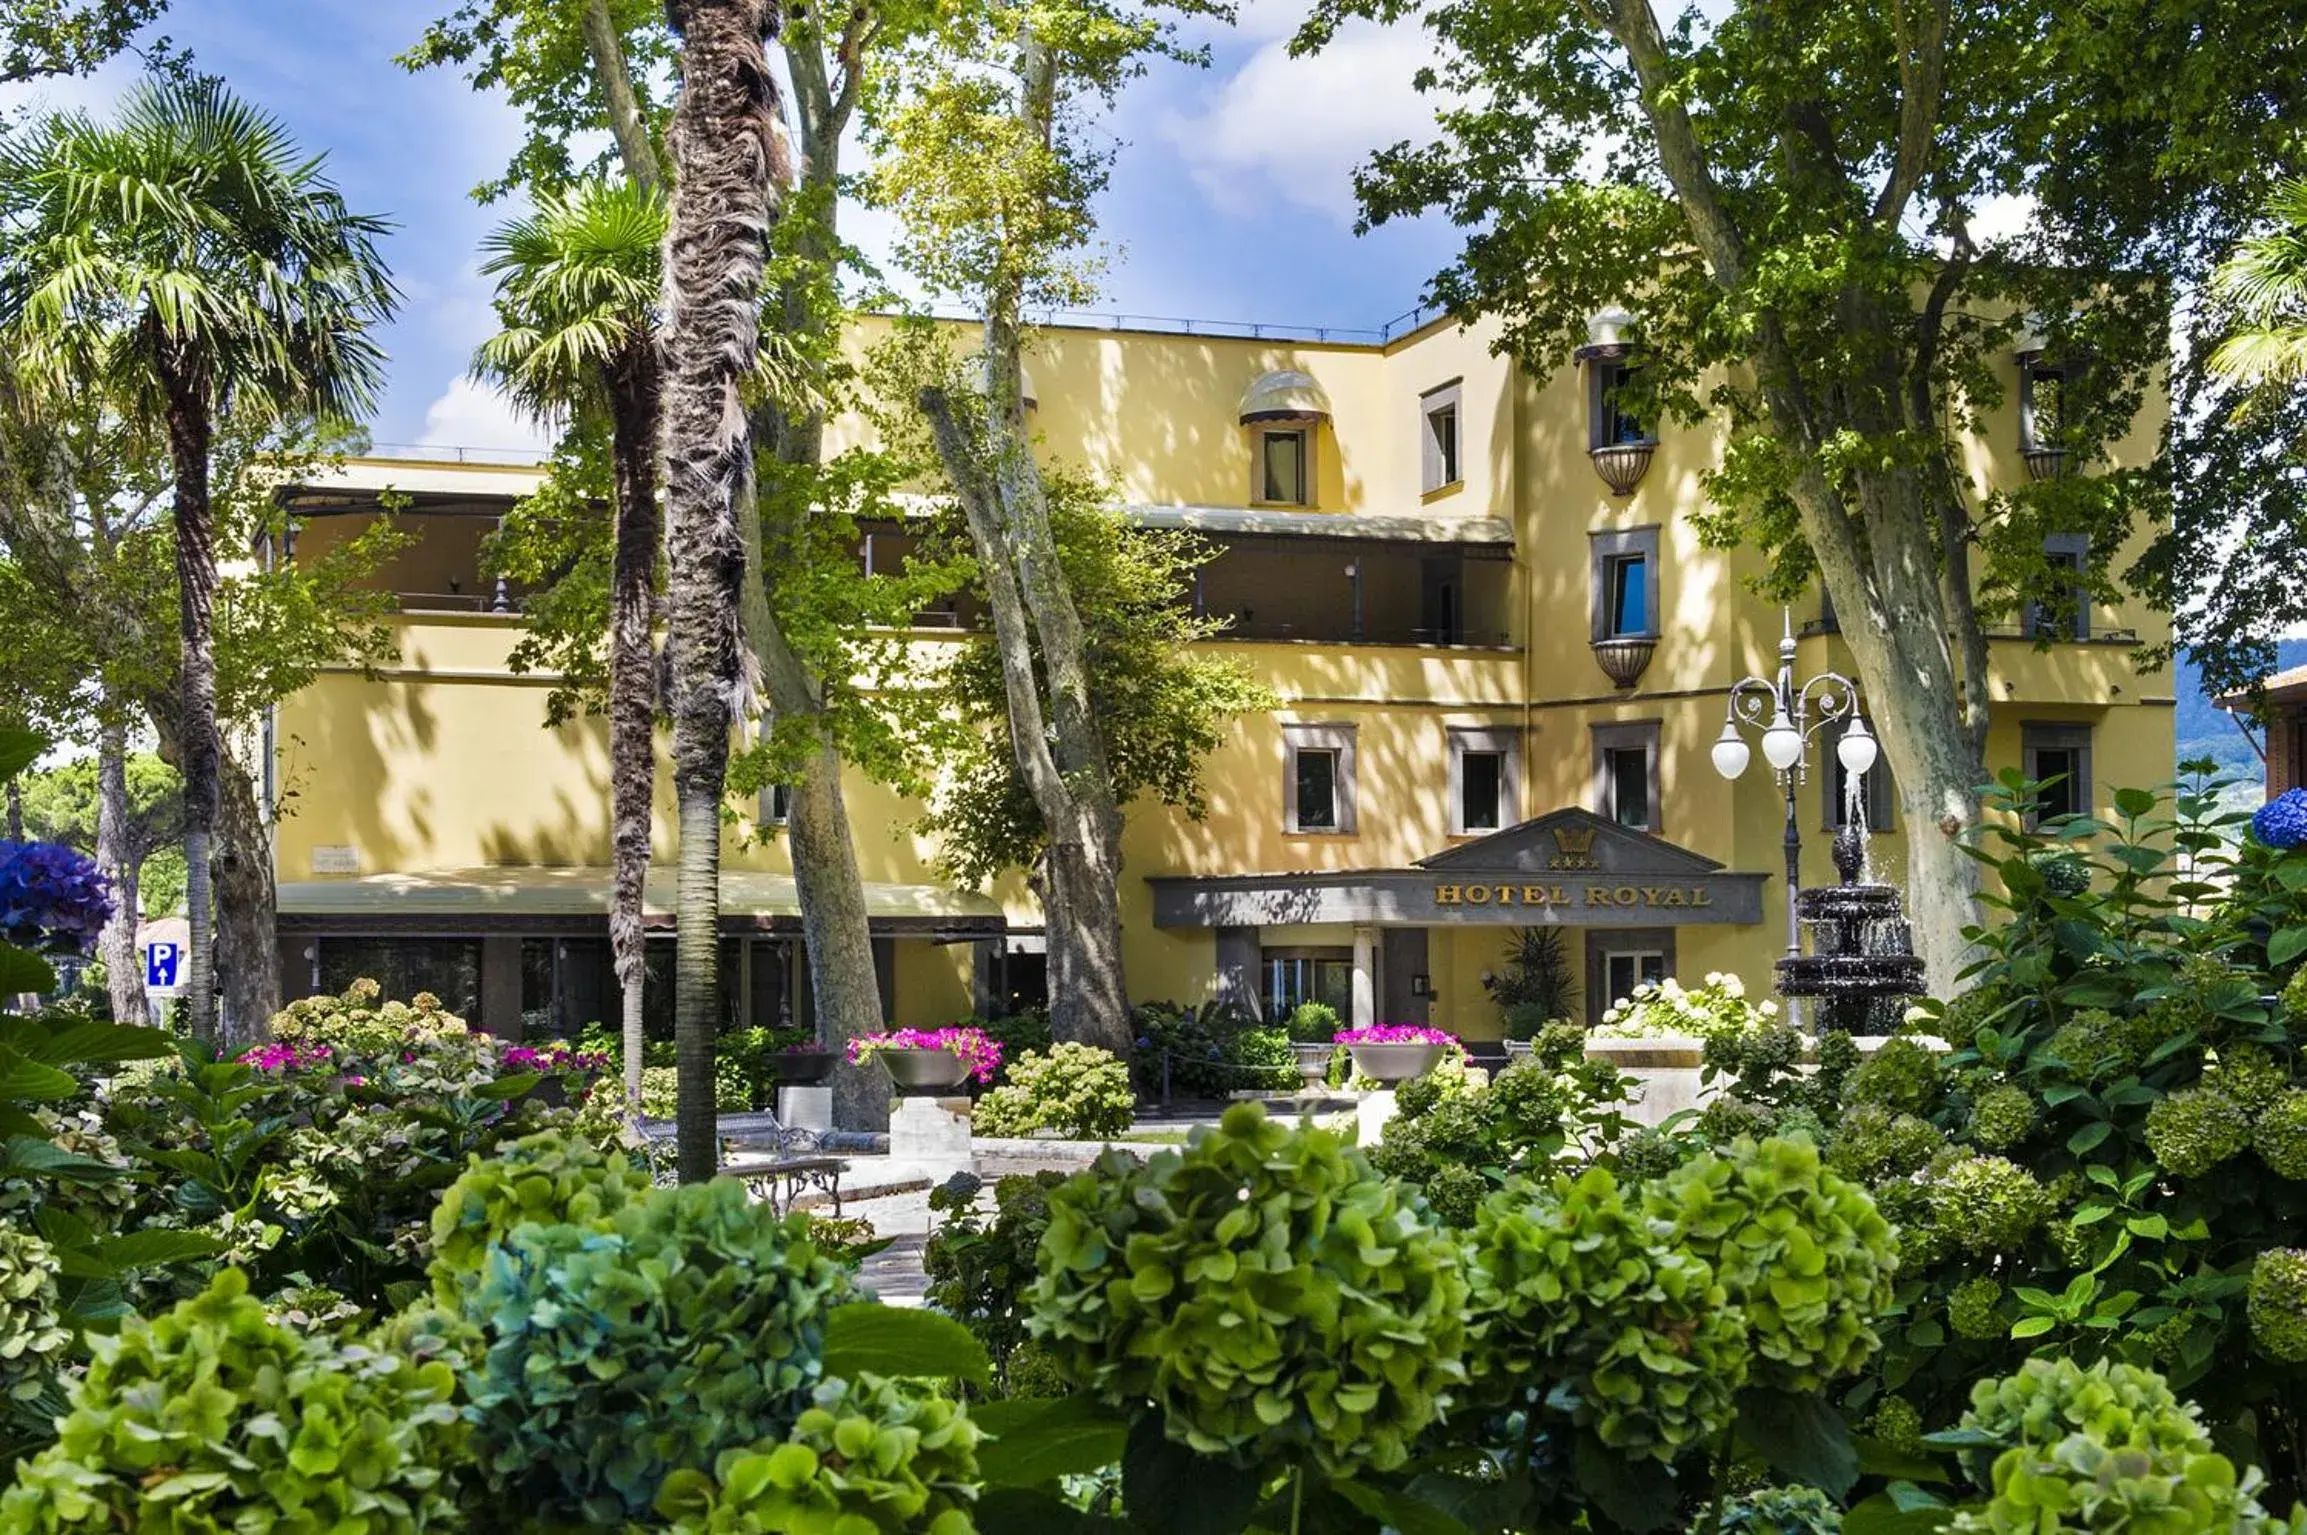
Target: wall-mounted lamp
[{"x": 1419, "y": 986}]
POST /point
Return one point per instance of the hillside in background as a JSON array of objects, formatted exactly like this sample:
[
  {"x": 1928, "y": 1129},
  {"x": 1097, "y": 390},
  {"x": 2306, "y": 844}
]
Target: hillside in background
[{"x": 2204, "y": 730}]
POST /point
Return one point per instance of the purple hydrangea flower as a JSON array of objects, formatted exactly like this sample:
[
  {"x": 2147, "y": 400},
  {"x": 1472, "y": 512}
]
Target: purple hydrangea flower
[
  {"x": 52, "y": 898},
  {"x": 2282, "y": 821}
]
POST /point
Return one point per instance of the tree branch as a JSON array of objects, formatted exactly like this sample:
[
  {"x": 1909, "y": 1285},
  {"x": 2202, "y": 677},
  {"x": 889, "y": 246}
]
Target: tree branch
[
  {"x": 1922, "y": 66},
  {"x": 1635, "y": 26},
  {"x": 635, "y": 147}
]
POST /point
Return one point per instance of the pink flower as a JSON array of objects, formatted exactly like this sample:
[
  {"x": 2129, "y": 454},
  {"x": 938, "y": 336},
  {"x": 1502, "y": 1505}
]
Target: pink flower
[
  {"x": 1394, "y": 1034},
  {"x": 982, "y": 1052}
]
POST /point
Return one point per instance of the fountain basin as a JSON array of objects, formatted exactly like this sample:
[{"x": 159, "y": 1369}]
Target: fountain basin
[{"x": 1850, "y": 975}]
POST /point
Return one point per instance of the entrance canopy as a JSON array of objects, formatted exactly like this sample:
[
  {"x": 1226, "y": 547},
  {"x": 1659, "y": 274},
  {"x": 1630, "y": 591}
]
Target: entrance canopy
[
  {"x": 1570, "y": 868},
  {"x": 502, "y": 898}
]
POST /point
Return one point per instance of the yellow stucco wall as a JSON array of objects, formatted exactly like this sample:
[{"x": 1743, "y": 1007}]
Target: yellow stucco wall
[{"x": 444, "y": 761}]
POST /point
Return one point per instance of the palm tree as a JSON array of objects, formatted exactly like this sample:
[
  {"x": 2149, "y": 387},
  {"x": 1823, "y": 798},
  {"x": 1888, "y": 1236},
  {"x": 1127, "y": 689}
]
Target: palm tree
[
  {"x": 189, "y": 255},
  {"x": 2265, "y": 282},
  {"x": 729, "y": 168},
  {"x": 577, "y": 288}
]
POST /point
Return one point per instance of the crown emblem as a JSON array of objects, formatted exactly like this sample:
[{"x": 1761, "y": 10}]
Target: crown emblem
[{"x": 1573, "y": 848}]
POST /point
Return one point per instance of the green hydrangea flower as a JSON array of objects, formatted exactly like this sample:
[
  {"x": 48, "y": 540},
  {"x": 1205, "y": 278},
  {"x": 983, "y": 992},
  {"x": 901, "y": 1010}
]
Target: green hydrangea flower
[
  {"x": 1455, "y": 1193},
  {"x": 2194, "y": 1130},
  {"x": 1905, "y": 1076},
  {"x": 2280, "y": 1135},
  {"x": 2294, "y": 999},
  {"x": 870, "y": 1456},
  {"x": 1872, "y": 1143},
  {"x": 33, "y": 1337},
  {"x": 1987, "y": 1204},
  {"x": 1570, "y": 1281},
  {"x": 1780, "y": 1511},
  {"x": 2248, "y": 1074},
  {"x": 550, "y": 1178},
  {"x": 2104, "y": 1447},
  {"x": 1898, "y": 1424},
  {"x": 2001, "y": 1116},
  {"x": 2278, "y": 1304},
  {"x": 1801, "y": 1250},
  {"x": 2096, "y": 1043},
  {"x": 1262, "y": 1288},
  {"x": 213, "y": 1417},
  {"x": 1971, "y": 1308}
]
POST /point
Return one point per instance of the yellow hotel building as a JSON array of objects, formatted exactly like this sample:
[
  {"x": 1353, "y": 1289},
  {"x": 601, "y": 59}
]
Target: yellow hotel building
[{"x": 1502, "y": 655}]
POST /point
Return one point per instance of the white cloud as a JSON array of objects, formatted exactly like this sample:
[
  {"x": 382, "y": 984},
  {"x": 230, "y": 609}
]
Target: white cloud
[
  {"x": 471, "y": 415},
  {"x": 1294, "y": 130}
]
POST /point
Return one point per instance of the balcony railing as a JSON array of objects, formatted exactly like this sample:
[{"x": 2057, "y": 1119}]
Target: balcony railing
[{"x": 2015, "y": 629}]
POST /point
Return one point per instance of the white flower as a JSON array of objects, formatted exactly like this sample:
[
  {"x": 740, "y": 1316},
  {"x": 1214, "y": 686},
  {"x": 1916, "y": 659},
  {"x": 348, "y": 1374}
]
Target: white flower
[{"x": 1770, "y": 1009}]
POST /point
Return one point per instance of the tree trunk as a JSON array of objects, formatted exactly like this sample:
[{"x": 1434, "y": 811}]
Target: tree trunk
[
  {"x": 15, "y": 811},
  {"x": 247, "y": 937},
  {"x": 123, "y": 967},
  {"x": 636, "y": 393},
  {"x": 188, "y": 445},
  {"x": 728, "y": 163},
  {"x": 618, "y": 102},
  {"x": 836, "y": 932}
]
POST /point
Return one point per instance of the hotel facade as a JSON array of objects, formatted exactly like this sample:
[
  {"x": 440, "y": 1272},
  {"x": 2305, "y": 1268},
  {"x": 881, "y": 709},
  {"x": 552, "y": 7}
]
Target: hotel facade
[{"x": 1501, "y": 650}]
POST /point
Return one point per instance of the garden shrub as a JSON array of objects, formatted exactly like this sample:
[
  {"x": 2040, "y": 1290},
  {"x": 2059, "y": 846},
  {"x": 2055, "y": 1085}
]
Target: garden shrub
[
  {"x": 212, "y": 1417},
  {"x": 1075, "y": 1089},
  {"x": 980, "y": 1265},
  {"x": 1801, "y": 1250},
  {"x": 1904, "y": 1076},
  {"x": 2101, "y": 1447},
  {"x": 2278, "y": 1304},
  {"x": 1271, "y": 1297},
  {"x": 631, "y": 1332},
  {"x": 1209, "y": 1052},
  {"x": 2195, "y": 1129},
  {"x": 1716, "y": 1008},
  {"x": 1450, "y": 1130},
  {"x": 869, "y": 1455},
  {"x": 1986, "y": 1205},
  {"x": 1779, "y": 1511},
  {"x": 1571, "y": 1282},
  {"x": 2280, "y": 1134},
  {"x": 33, "y": 1337},
  {"x": 1312, "y": 1023},
  {"x": 2001, "y": 1116}
]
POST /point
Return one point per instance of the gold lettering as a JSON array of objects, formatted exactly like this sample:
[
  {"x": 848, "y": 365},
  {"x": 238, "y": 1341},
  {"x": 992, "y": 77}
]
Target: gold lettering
[
  {"x": 1534, "y": 895},
  {"x": 1505, "y": 895},
  {"x": 1701, "y": 896},
  {"x": 1677, "y": 897},
  {"x": 1446, "y": 895},
  {"x": 1561, "y": 895},
  {"x": 1628, "y": 895},
  {"x": 1598, "y": 895},
  {"x": 1652, "y": 895},
  {"x": 1477, "y": 895}
]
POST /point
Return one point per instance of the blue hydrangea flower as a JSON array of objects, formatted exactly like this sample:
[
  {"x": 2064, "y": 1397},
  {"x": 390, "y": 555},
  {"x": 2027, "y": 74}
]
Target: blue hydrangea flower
[
  {"x": 2282, "y": 821},
  {"x": 51, "y": 898}
]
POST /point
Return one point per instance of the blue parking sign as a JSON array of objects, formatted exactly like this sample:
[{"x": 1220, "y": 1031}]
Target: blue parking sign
[{"x": 160, "y": 962}]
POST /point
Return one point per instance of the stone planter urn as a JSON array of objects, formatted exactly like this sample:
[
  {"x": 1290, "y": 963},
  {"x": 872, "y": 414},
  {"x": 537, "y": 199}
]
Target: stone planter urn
[
  {"x": 803, "y": 1068},
  {"x": 1313, "y": 1062},
  {"x": 1391, "y": 1063},
  {"x": 923, "y": 1071}
]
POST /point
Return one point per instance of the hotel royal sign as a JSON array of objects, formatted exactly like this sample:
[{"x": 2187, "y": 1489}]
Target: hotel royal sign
[{"x": 1570, "y": 868}]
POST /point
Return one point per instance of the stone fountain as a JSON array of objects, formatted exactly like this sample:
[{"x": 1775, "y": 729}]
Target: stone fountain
[{"x": 1861, "y": 968}]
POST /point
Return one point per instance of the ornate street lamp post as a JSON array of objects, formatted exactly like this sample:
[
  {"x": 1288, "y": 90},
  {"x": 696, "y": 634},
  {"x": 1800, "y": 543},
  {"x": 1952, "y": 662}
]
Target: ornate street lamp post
[{"x": 1787, "y": 717}]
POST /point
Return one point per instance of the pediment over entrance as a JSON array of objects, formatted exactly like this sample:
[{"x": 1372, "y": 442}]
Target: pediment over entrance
[{"x": 1576, "y": 842}]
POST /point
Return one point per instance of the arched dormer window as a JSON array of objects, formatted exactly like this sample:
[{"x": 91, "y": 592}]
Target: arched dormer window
[
  {"x": 1619, "y": 441},
  {"x": 1283, "y": 411}
]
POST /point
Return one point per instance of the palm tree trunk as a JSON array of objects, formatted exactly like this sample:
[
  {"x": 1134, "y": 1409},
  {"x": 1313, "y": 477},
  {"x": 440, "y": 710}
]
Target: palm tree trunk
[
  {"x": 729, "y": 161},
  {"x": 247, "y": 938},
  {"x": 188, "y": 446},
  {"x": 637, "y": 397},
  {"x": 123, "y": 969}
]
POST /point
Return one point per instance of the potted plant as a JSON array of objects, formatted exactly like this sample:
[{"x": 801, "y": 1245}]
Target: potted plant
[
  {"x": 1312, "y": 1027},
  {"x": 1395, "y": 1052},
  {"x": 926, "y": 1060},
  {"x": 802, "y": 1065}
]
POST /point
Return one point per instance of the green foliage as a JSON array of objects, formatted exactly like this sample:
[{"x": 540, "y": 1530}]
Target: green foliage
[
  {"x": 1538, "y": 983},
  {"x": 2280, "y": 1135},
  {"x": 1075, "y": 1089},
  {"x": 1571, "y": 1282},
  {"x": 1905, "y": 1076},
  {"x": 1312, "y": 1023},
  {"x": 1274, "y": 1300},
  {"x": 1449, "y": 1131},
  {"x": 1800, "y": 1249},
  {"x": 601, "y": 1355},
  {"x": 869, "y": 1455},
  {"x": 2103, "y": 1447},
  {"x": 1985, "y": 1204},
  {"x": 1874, "y": 1144},
  {"x": 60, "y": 806},
  {"x": 1209, "y": 1051},
  {"x": 2001, "y": 1116},
  {"x": 548, "y": 1179},
  {"x": 33, "y": 1338},
  {"x": 1714, "y": 1009},
  {"x": 2195, "y": 1129},
  {"x": 69, "y": 37},
  {"x": 231, "y": 1422},
  {"x": 979, "y": 1268},
  {"x": 1780, "y": 1511},
  {"x": 1974, "y": 1309}
]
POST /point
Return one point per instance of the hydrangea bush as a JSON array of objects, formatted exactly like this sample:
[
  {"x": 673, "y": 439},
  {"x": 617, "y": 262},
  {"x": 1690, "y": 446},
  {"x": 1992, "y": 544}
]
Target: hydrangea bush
[
  {"x": 53, "y": 900},
  {"x": 1716, "y": 1008},
  {"x": 1074, "y": 1089}
]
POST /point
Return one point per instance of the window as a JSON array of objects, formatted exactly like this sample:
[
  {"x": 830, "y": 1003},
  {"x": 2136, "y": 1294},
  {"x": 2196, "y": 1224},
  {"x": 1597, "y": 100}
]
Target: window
[
  {"x": 1623, "y": 970},
  {"x": 1439, "y": 438},
  {"x": 1625, "y": 583},
  {"x": 1320, "y": 975},
  {"x": 1485, "y": 787},
  {"x": 449, "y": 968},
  {"x": 1613, "y": 421},
  {"x": 776, "y": 805},
  {"x": 1835, "y": 785},
  {"x": 2070, "y": 553},
  {"x": 1282, "y": 468},
  {"x": 1626, "y": 774},
  {"x": 1318, "y": 779},
  {"x": 1619, "y": 960},
  {"x": 2042, "y": 406},
  {"x": 2061, "y": 753}
]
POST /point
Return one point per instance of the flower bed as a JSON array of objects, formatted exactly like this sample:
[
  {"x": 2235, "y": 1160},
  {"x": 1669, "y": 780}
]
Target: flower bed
[{"x": 1715, "y": 1009}]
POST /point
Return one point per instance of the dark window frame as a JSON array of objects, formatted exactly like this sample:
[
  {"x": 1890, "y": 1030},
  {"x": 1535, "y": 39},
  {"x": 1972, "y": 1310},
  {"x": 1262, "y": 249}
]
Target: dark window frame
[
  {"x": 1601, "y": 943},
  {"x": 1337, "y": 740},
  {"x": 1441, "y": 465},
  {"x": 1629, "y": 735},
  {"x": 1605, "y": 379},
  {"x": 2037, "y": 737},
  {"x": 1260, "y": 482},
  {"x": 1607, "y": 547},
  {"x": 2073, "y": 549},
  {"x": 2033, "y": 373},
  {"x": 1506, "y": 744}
]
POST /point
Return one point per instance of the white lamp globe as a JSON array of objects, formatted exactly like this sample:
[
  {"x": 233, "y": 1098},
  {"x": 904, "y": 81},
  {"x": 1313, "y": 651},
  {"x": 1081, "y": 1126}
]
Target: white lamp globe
[
  {"x": 1782, "y": 743},
  {"x": 1857, "y": 750},
  {"x": 1730, "y": 754}
]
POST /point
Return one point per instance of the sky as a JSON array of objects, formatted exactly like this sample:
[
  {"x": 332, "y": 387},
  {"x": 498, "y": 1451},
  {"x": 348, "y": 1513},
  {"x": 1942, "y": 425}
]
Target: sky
[{"x": 1231, "y": 198}]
